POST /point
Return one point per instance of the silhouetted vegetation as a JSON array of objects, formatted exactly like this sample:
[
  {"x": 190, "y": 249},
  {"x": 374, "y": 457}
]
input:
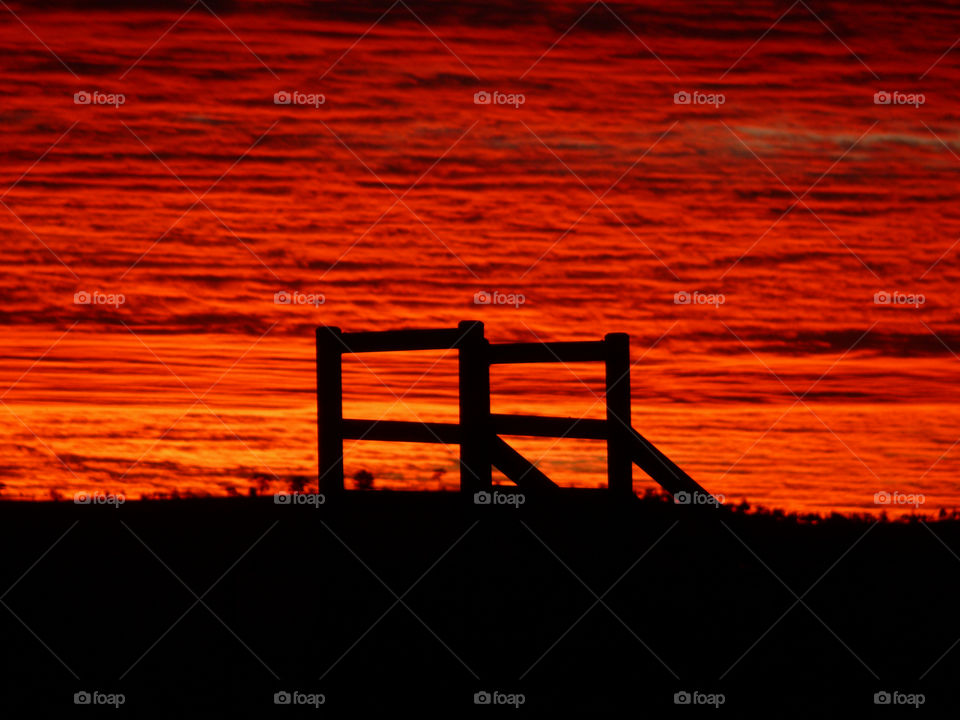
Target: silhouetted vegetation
[{"x": 363, "y": 480}]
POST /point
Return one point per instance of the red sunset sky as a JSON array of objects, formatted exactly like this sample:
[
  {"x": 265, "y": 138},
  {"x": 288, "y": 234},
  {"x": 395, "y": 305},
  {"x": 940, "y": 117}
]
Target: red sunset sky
[{"x": 796, "y": 200}]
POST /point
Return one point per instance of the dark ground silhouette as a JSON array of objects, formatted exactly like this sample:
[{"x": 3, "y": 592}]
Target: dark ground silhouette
[{"x": 492, "y": 598}]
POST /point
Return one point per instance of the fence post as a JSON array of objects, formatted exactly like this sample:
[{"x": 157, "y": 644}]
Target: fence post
[
  {"x": 617, "y": 366},
  {"x": 475, "y": 427},
  {"x": 329, "y": 410}
]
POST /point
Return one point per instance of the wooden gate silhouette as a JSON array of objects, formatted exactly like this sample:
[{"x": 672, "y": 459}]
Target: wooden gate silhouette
[{"x": 478, "y": 432}]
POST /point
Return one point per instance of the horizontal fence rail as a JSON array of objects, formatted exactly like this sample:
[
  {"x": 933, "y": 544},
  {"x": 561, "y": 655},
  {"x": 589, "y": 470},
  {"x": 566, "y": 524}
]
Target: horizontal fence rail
[
  {"x": 561, "y": 352},
  {"x": 402, "y": 431},
  {"x": 553, "y": 427},
  {"x": 449, "y": 433},
  {"x": 478, "y": 432},
  {"x": 401, "y": 340}
]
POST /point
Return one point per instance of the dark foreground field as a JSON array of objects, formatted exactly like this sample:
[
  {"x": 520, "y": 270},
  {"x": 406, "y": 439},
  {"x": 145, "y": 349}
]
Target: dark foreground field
[{"x": 209, "y": 608}]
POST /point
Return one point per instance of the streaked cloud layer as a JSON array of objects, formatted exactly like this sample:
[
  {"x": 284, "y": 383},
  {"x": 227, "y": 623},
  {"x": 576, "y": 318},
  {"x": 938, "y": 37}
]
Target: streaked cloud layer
[{"x": 599, "y": 198}]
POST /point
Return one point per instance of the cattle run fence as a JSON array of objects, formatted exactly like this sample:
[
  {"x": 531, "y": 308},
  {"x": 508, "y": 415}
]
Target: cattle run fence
[{"x": 478, "y": 430}]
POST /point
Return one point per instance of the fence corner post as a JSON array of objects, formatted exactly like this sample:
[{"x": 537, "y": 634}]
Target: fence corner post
[
  {"x": 617, "y": 371},
  {"x": 475, "y": 427},
  {"x": 329, "y": 410}
]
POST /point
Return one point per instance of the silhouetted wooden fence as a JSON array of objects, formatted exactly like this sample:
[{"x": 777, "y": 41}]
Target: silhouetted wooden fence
[{"x": 478, "y": 432}]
